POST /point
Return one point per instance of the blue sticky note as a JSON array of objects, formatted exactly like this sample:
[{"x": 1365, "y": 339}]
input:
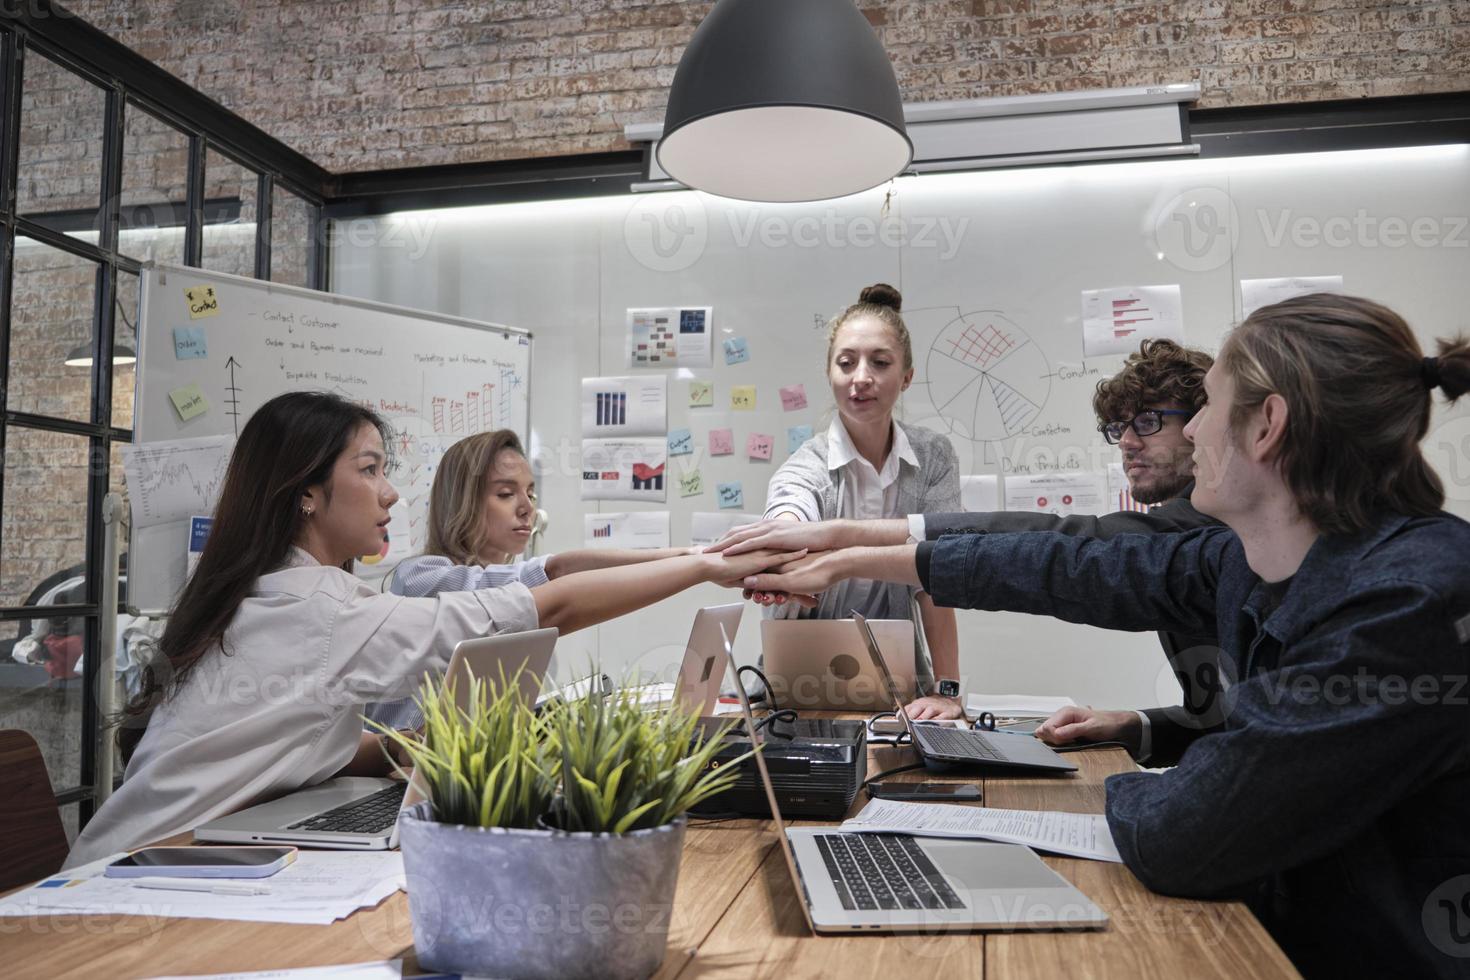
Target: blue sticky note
[
  {"x": 796, "y": 435},
  {"x": 189, "y": 344},
  {"x": 730, "y": 495},
  {"x": 737, "y": 351},
  {"x": 681, "y": 442}
]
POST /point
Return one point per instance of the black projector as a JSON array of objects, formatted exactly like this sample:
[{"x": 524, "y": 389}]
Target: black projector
[{"x": 816, "y": 767}]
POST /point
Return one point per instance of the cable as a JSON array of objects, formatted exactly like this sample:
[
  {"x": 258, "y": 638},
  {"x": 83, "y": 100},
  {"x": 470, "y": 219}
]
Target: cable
[
  {"x": 1091, "y": 745},
  {"x": 890, "y": 772},
  {"x": 770, "y": 696},
  {"x": 787, "y": 716}
]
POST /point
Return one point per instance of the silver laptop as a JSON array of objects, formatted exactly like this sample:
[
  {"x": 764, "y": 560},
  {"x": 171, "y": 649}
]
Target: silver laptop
[
  {"x": 901, "y": 883},
  {"x": 702, "y": 672},
  {"x": 361, "y": 812},
  {"x": 942, "y": 747},
  {"x": 821, "y": 664}
]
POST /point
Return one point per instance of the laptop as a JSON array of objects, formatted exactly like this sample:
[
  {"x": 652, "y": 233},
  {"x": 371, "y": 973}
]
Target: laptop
[
  {"x": 360, "y": 813},
  {"x": 821, "y": 664},
  {"x": 903, "y": 883},
  {"x": 697, "y": 688},
  {"x": 941, "y": 747}
]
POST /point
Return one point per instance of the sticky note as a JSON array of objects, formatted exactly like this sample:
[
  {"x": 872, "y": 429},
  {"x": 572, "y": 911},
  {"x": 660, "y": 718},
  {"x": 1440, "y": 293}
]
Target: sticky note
[
  {"x": 737, "y": 351},
  {"x": 758, "y": 445},
  {"x": 681, "y": 443},
  {"x": 202, "y": 301},
  {"x": 701, "y": 394},
  {"x": 796, "y": 435},
  {"x": 730, "y": 495},
  {"x": 189, "y": 401},
  {"x": 721, "y": 442},
  {"x": 691, "y": 484},
  {"x": 793, "y": 398},
  {"x": 189, "y": 344},
  {"x": 742, "y": 397}
]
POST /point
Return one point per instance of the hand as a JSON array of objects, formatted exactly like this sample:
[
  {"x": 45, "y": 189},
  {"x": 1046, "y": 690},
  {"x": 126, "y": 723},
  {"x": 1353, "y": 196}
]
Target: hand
[
  {"x": 1073, "y": 724},
  {"x": 934, "y": 707},
  {"x": 733, "y": 569},
  {"x": 806, "y": 576},
  {"x": 781, "y": 534}
]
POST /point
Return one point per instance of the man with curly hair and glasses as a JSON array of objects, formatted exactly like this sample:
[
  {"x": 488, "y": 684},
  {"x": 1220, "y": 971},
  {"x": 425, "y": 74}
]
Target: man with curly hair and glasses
[{"x": 1142, "y": 410}]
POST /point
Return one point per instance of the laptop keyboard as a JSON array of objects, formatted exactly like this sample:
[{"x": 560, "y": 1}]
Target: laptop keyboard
[
  {"x": 369, "y": 815},
  {"x": 884, "y": 871},
  {"x": 957, "y": 744}
]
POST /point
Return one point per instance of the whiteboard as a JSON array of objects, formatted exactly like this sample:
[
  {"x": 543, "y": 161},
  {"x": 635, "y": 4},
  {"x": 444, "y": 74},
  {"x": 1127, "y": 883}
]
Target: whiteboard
[
  {"x": 434, "y": 378},
  {"x": 1018, "y": 249}
]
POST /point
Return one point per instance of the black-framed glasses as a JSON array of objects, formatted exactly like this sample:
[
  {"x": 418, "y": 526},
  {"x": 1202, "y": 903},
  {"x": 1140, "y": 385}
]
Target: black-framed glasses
[{"x": 1145, "y": 423}]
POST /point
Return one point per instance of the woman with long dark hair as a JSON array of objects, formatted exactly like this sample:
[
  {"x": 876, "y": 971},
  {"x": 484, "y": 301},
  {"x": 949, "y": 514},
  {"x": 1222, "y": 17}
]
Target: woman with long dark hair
[{"x": 273, "y": 647}]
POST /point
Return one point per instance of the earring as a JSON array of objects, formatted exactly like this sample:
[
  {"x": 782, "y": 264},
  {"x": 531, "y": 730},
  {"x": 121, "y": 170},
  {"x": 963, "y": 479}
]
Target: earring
[{"x": 307, "y": 511}]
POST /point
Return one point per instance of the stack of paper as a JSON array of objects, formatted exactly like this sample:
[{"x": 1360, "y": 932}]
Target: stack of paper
[
  {"x": 1083, "y": 835},
  {"x": 1016, "y": 705},
  {"x": 318, "y": 888},
  {"x": 381, "y": 970}
]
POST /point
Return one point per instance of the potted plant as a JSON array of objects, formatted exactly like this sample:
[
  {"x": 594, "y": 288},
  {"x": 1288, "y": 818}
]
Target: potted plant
[{"x": 549, "y": 843}]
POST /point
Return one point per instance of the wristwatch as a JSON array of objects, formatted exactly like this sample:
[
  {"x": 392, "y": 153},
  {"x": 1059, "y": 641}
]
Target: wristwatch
[{"x": 947, "y": 688}]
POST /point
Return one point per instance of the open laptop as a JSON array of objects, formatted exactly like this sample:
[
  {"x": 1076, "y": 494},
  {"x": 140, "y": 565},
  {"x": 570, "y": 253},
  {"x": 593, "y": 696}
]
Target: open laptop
[
  {"x": 940, "y": 746},
  {"x": 903, "y": 883},
  {"x": 821, "y": 664},
  {"x": 702, "y": 672},
  {"x": 361, "y": 812}
]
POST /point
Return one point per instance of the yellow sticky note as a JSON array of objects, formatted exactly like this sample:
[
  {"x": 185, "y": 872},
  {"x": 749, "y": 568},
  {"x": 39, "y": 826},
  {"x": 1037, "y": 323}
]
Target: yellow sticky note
[
  {"x": 691, "y": 484},
  {"x": 701, "y": 394},
  {"x": 202, "y": 301},
  {"x": 742, "y": 397},
  {"x": 189, "y": 401}
]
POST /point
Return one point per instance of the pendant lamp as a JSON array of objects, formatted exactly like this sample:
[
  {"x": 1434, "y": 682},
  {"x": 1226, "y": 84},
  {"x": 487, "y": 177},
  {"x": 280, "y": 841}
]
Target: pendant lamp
[{"x": 784, "y": 100}]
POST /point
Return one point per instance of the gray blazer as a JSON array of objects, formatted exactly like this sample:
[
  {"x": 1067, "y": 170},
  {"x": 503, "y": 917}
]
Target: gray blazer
[{"x": 805, "y": 484}]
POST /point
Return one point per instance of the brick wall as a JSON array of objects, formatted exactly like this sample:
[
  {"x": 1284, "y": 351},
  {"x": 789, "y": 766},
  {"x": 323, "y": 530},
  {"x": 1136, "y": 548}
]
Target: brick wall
[{"x": 367, "y": 84}]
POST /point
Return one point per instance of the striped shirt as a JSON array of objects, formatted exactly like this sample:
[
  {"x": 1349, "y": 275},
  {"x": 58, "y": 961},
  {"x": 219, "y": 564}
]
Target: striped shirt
[{"x": 429, "y": 575}]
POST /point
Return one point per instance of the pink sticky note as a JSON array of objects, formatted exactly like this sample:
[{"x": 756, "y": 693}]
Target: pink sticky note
[
  {"x": 793, "y": 397},
  {"x": 758, "y": 446},
  {"x": 721, "y": 442}
]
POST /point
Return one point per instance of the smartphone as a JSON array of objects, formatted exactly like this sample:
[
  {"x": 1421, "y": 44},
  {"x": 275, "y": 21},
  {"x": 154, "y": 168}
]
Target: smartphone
[
  {"x": 202, "y": 862},
  {"x": 929, "y": 792}
]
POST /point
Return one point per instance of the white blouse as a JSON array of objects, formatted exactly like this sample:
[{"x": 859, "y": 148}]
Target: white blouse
[{"x": 307, "y": 649}]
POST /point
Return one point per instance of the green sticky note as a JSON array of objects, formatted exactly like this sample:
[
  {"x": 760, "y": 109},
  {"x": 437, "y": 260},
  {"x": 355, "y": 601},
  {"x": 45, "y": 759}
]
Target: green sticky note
[
  {"x": 189, "y": 401},
  {"x": 691, "y": 484},
  {"x": 701, "y": 394}
]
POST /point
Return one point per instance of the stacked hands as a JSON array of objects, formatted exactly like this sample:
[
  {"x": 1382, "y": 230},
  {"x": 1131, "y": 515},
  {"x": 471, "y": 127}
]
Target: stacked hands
[{"x": 778, "y": 561}]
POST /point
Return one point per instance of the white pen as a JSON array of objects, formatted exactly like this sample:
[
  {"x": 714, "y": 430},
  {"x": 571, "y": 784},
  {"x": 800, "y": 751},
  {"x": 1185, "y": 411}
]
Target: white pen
[{"x": 213, "y": 887}]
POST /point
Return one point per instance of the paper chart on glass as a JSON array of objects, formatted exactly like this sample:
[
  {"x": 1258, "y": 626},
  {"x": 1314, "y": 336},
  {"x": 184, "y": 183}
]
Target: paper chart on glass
[
  {"x": 175, "y": 480},
  {"x": 1116, "y": 320},
  {"x": 707, "y": 527},
  {"x": 1256, "y": 293},
  {"x": 318, "y": 888},
  {"x": 625, "y": 469},
  {"x": 625, "y": 406},
  {"x": 1062, "y": 494},
  {"x": 670, "y": 336},
  {"x": 1083, "y": 835},
  {"x": 642, "y": 529}
]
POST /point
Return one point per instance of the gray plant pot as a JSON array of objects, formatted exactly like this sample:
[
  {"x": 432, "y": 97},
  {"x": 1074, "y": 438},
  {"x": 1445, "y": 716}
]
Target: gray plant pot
[{"x": 539, "y": 903}]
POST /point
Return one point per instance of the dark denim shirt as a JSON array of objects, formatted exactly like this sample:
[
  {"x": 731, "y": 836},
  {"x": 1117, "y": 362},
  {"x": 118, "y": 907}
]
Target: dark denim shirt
[{"x": 1336, "y": 795}]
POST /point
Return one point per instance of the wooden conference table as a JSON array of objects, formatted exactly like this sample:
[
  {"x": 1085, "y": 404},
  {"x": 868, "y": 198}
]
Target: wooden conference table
[{"x": 735, "y": 915}]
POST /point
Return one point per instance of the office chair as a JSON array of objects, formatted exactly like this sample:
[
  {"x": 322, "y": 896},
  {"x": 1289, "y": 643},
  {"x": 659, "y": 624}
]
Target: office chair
[{"x": 34, "y": 843}]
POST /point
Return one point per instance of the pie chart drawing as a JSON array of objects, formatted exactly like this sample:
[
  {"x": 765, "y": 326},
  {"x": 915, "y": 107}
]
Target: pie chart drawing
[{"x": 987, "y": 378}]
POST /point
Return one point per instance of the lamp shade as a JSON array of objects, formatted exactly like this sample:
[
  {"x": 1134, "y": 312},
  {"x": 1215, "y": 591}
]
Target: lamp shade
[
  {"x": 82, "y": 356},
  {"x": 784, "y": 100}
]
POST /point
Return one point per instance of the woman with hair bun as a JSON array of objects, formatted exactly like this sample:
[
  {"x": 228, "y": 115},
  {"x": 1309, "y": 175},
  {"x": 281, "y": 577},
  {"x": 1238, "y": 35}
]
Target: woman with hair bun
[{"x": 867, "y": 465}]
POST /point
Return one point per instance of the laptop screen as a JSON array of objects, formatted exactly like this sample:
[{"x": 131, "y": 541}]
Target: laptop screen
[
  {"x": 888, "y": 681},
  {"x": 765, "y": 777}
]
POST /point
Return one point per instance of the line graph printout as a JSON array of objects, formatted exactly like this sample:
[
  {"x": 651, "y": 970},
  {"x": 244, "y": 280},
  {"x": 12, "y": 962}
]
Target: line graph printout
[{"x": 177, "y": 479}]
